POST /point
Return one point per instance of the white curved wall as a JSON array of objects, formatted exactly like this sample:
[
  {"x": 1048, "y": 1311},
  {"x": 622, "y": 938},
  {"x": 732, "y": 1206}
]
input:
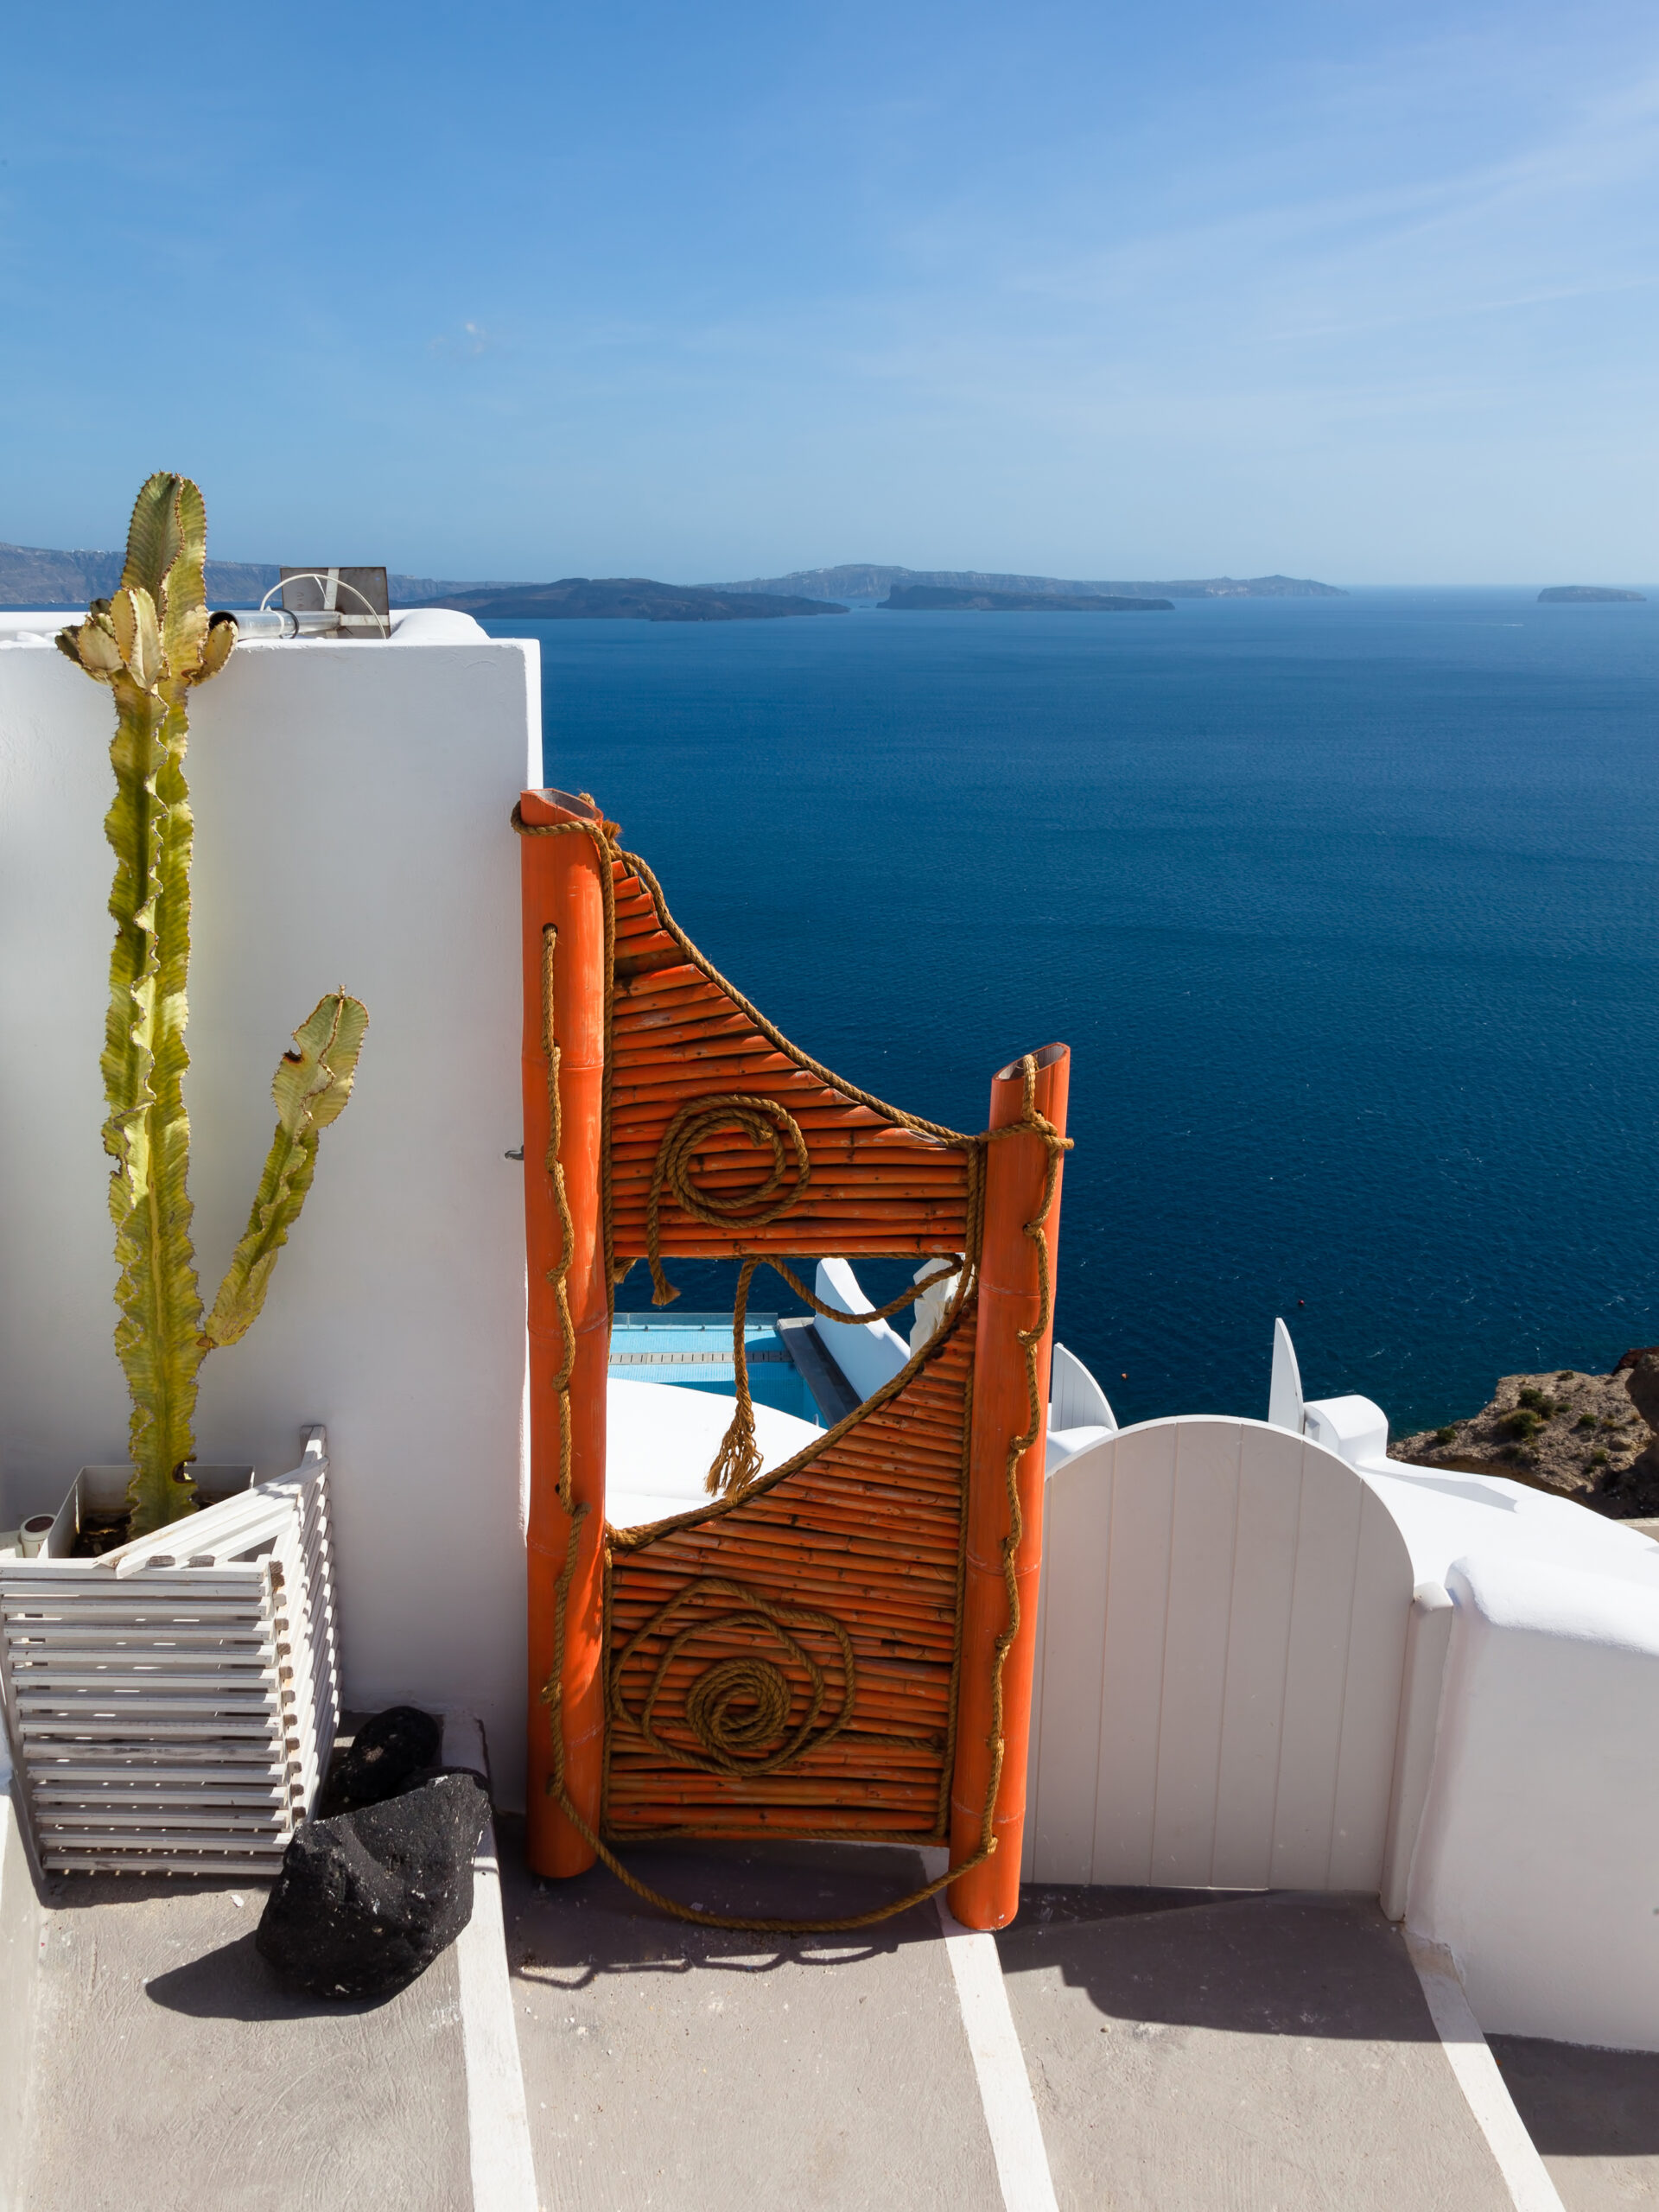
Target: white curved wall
[
  {"x": 869, "y": 1353},
  {"x": 1537, "y": 1864}
]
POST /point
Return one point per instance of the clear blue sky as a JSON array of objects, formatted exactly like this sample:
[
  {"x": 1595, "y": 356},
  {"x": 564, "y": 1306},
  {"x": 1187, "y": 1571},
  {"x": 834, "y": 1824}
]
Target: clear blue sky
[{"x": 1077, "y": 286}]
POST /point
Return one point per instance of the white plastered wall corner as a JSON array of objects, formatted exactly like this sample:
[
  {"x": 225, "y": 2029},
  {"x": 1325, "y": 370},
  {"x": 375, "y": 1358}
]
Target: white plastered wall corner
[{"x": 352, "y": 805}]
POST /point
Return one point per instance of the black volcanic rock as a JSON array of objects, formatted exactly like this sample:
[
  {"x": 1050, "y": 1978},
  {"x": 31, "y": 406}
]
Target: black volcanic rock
[
  {"x": 586, "y": 599},
  {"x": 1578, "y": 595},
  {"x": 367, "y": 1900},
  {"x": 385, "y": 1755},
  {"x": 948, "y": 599}
]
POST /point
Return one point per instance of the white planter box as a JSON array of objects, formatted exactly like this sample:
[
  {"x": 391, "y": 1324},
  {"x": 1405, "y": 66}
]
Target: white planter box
[{"x": 172, "y": 1705}]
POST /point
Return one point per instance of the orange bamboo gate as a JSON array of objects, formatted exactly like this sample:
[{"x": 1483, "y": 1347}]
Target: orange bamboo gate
[{"x": 842, "y": 1648}]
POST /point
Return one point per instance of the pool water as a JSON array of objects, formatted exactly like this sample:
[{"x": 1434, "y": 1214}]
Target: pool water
[{"x": 693, "y": 1352}]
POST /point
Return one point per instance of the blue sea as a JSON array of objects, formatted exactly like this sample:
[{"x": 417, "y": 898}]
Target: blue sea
[{"x": 1349, "y": 910}]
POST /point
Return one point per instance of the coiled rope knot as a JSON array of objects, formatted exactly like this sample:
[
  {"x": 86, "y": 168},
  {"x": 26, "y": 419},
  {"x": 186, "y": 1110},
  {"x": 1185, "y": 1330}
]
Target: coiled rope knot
[
  {"x": 741, "y": 1710},
  {"x": 767, "y": 1124},
  {"x": 739, "y": 1705}
]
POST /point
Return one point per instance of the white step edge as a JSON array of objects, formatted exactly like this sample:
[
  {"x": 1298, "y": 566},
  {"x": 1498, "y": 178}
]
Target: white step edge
[
  {"x": 1005, "y": 2096},
  {"x": 20, "y": 1941},
  {"x": 498, "y": 2120},
  {"x": 1470, "y": 2056}
]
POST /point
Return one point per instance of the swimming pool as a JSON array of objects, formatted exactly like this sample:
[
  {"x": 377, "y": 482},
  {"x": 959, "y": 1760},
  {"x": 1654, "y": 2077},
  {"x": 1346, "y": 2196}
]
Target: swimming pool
[{"x": 693, "y": 1351}]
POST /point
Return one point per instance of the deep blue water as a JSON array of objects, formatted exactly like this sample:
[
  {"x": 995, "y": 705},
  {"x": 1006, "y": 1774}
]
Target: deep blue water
[{"x": 1348, "y": 909}]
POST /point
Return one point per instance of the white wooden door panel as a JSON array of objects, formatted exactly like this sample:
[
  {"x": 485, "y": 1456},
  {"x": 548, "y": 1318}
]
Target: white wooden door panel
[
  {"x": 1066, "y": 1713},
  {"x": 1258, "y": 1650},
  {"x": 1328, "y": 1550},
  {"x": 1220, "y": 1648},
  {"x": 1204, "y": 1523},
  {"x": 1132, "y": 1674}
]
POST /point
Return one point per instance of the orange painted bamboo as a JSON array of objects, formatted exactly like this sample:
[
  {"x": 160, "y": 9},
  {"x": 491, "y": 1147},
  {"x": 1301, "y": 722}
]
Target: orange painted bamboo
[
  {"x": 563, "y": 891},
  {"x": 987, "y": 1896}
]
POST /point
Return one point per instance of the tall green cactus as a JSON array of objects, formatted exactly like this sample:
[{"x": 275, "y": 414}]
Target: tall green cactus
[{"x": 150, "y": 643}]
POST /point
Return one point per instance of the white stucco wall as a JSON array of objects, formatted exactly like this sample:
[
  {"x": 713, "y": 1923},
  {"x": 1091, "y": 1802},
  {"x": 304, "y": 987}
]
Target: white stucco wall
[
  {"x": 352, "y": 803},
  {"x": 1537, "y": 1865}
]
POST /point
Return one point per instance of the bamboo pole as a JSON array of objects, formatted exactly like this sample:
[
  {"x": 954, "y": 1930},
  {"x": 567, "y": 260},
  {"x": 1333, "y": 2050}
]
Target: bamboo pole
[
  {"x": 563, "y": 891},
  {"x": 1009, "y": 1300}
]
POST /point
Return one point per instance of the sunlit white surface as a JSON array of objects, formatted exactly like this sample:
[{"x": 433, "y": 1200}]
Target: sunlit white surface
[{"x": 662, "y": 1439}]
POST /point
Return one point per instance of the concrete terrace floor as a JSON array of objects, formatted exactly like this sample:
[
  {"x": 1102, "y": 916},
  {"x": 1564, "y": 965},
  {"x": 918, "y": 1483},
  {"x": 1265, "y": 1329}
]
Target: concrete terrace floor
[
  {"x": 170, "y": 2072},
  {"x": 1187, "y": 2052},
  {"x": 1205, "y": 2053}
]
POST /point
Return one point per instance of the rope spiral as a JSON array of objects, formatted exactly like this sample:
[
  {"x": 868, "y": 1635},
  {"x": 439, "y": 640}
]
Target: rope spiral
[
  {"x": 739, "y": 1704},
  {"x": 766, "y": 1122}
]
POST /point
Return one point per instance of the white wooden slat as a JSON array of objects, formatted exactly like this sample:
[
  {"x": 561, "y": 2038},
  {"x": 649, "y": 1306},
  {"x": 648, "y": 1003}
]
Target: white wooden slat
[
  {"x": 1249, "y": 1655},
  {"x": 253, "y": 1866},
  {"x": 87, "y": 1818},
  {"x": 1370, "y": 1715},
  {"x": 257, "y": 1726},
  {"x": 1065, "y": 1749},
  {"x": 140, "y": 1706},
  {"x": 1327, "y": 1549},
  {"x": 43, "y": 1575},
  {"x": 167, "y": 1764},
  {"x": 129, "y": 1792},
  {"x": 135, "y": 1620},
  {"x": 1258, "y": 1644},
  {"x": 319, "y": 1533},
  {"x": 207, "y": 1531},
  {"x": 298, "y": 1690},
  {"x": 96, "y": 1644},
  {"x": 148, "y": 1680},
  {"x": 245, "y": 1528},
  {"x": 1203, "y": 1525},
  {"x": 178, "y": 1717},
  {"x": 210, "y": 1851},
  {"x": 289, "y": 1565},
  {"x": 1137, "y": 1601},
  {"x": 312, "y": 1687}
]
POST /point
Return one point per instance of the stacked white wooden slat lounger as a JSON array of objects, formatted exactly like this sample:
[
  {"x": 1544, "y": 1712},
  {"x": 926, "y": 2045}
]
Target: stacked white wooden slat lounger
[{"x": 172, "y": 1705}]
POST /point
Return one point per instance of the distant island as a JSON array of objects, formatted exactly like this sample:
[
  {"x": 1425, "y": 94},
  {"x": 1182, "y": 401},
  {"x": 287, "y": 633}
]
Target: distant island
[
  {"x": 872, "y": 581},
  {"x": 1576, "y": 594},
  {"x": 42, "y": 576},
  {"x": 948, "y": 599},
  {"x": 45, "y": 577},
  {"x": 638, "y": 599}
]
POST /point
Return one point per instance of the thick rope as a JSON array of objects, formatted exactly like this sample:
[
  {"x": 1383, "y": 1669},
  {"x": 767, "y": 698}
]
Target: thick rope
[
  {"x": 558, "y": 1274},
  {"x": 764, "y": 1121},
  {"x": 738, "y": 1705}
]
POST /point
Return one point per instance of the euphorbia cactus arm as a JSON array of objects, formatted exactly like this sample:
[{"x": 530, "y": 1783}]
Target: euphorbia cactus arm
[
  {"x": 147, "y": 1133},
  {"x": 150, "y": 644},
  {"x": 312, "y": 1085}
]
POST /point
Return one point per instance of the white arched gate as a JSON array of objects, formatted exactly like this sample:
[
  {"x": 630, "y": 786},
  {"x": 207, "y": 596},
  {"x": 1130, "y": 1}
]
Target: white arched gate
[{"x": 1222, "y": 1637}]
